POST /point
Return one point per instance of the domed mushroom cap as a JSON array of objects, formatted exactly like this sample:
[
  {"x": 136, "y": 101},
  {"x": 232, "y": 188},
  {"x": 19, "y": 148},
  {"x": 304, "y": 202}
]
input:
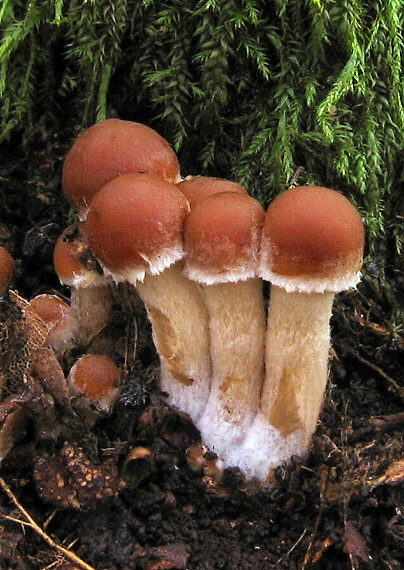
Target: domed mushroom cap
[
  {"x": 57, "y": 316},
  {"x": 6, "y": 269},
  {"x": 109, "y": 149},
  {"x": 73, "y": 260},
  {"x": 222, "y": 237},
  {"x": 196, "y": 188},
  {"x": 313, "y": 240},
  {"x": 135, "y": 225},
  {"x": 97, "y": 378}
]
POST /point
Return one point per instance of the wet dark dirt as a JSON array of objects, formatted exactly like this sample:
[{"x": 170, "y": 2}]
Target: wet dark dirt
[{"x": 118, "y": 490}]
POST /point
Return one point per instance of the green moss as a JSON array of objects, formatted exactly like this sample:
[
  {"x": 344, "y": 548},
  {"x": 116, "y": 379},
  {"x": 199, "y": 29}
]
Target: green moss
[{"x": 267, "y": 93}]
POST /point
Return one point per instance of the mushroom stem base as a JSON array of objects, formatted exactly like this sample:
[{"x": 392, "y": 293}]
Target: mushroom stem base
[
  {"x": 297, "y": 345},
  {"x": 237, "y": 331}
]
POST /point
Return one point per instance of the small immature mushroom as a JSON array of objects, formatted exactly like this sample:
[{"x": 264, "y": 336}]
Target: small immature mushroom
[
  {"x": 134, "y": 227},
  {"x": 109, "y": 149},
  {"x": 96, "y": 379},
  {"x": 312, "y": 248},
  {"x": 57, "y": 318},
  {"x": 196, "y": 188},
  {"x": 221, "y": 240},
  {"x": 77, "y": 268},
  {"x": 6, "y": 270}
]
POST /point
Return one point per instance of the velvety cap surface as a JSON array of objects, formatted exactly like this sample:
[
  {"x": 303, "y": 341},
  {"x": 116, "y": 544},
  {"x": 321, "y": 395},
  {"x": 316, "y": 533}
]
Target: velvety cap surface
[
  {"x": 196, "y": 188},
  {"x": 312, "y": 233},
  {"x": 94, "y": 375},
  {"x": 135, "y": 224},
  {"x": 222, "y": 236},
  {"x": 51, "y": 309},
  {"x": 109, "y": 149},
  {"x": 56, "y": 315}
]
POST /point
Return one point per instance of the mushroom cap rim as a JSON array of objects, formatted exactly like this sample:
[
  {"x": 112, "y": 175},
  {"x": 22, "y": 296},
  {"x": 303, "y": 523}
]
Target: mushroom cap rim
[
  {"x": 312, "y": 284},
  {"x": 155, "y": 266},
  {"x": 211, "y": 278}
]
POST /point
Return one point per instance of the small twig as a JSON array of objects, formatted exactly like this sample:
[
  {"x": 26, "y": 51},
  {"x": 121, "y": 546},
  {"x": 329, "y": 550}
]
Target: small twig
[
  {"x": 130, "y": 345},
  {"x": 294, "y": 178},
  {"x": 14, "y": 520},
  {"x": 30, "y": 522},
  {"x": 291, "y": 549},
  {"x": 52, "y": 565},
  {"x": 50, "y": 518},
  {"x": 381, "y": 373},
  {"x": 308, "y": 555},
  {"x": 131, "y": 333},
  {"x": 399, "y": 389}
]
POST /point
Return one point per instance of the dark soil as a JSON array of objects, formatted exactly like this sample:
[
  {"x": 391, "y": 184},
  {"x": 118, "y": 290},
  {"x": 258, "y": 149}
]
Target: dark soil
[{"x": 119, "y": 492}]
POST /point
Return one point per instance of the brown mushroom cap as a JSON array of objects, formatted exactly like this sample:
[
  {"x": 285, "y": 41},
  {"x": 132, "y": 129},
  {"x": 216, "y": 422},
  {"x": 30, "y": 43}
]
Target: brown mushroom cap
[
  {"x": 57, "y": 315},
  {"x": 109, "y": 149},
  {"x": 196, "y": 188},
  {"x": 135, "y": 225},
  {"x": 50, "y": 308},
  {"x": 6, "y": 269},
  {"x": 73, "y": 260},
  {"x": 97, "y": 378},
  {"x": 222, "y": 236},
  {"x": 312, "y": 240}
]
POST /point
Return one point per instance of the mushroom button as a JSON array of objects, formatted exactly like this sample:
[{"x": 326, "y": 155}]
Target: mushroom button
[
  {"x": 96, "y": 378},
  {"x": 77, "y": 268},
  {"x": 57, "y": 317}
]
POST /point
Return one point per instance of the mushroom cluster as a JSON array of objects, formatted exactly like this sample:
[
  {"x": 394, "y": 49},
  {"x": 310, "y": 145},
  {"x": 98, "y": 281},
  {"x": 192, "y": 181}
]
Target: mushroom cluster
[{"x": 197, "y": 251}]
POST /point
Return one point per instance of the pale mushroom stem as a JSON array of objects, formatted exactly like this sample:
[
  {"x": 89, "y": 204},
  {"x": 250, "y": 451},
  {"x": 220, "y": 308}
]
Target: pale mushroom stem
[
  {"x": 181, "y": 334},
  {"x": 296, "y": 361},
  {"x": 297, "y": 348},
  {"x": 92, "y": 307},
  {"x": 237, "y": 331}
]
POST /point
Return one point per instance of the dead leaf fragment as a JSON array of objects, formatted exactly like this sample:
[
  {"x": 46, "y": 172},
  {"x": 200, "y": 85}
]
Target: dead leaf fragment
[
  {"x": 50, "y": 374},
  {"x": 170, "y": 557},
  {"x": 12, "y": 430},
  {"x": 355, "y": 544},
  {"x": 392, "y": 421},
  {"x": 395, "y": 473}
]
